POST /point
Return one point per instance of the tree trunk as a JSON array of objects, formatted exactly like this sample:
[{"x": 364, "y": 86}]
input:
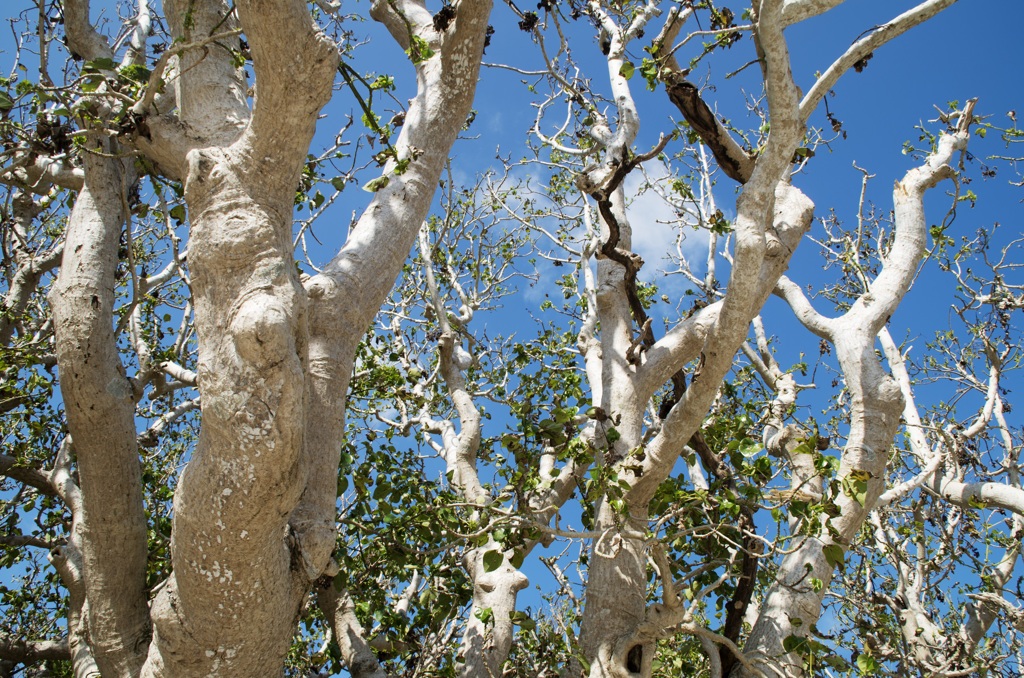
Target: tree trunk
[
  {"x": 230, "y": 605},
  {"x": 100, "y": 404}
]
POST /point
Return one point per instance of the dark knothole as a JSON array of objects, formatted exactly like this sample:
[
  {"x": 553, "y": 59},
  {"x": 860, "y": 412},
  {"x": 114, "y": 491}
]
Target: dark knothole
[{"x": 635, "y": 659}]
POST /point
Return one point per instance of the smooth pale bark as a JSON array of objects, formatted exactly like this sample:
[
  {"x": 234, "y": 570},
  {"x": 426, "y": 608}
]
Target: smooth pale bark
[
  {"x": 107, "y": 551},
  {"x": 255, "y": 507},
  {"x": 614, "y": 636},
  {"x": 793, "y": 604},
  {"x": 485, "y": 645},
  {"x": 792, "y": 219},
  {"x": 31, "y": 651},
  {"x": 100, "y": 409},
  {"x": 876, "y": 405},
  {"x": 67, "y": 560},
  {"x": 29, "y": 268},
  {"x": 9, "y": 467},
  {"x": 794, "y": 11},
  {"x": 340, "y": 613},
  {"x": 968, "y": 495},
  {"x": 616, "y": 597},
  {"x": 39, "y": 173},
  {"x": 229, "y": 606},
  {"x": 617, "y": 571},
  {"x": 616, "y": 574},
  {"x": 487, "y": 638},
  {"x": 982, "y": 612},
  {"x": 345, "y": 297},
  {"x": 210, "y": 93}
]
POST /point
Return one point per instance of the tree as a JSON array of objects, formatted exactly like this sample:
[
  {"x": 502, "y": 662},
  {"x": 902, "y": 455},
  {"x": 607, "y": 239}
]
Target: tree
[
  {"x": 696, "y": 514},
  {"x": 253, "y": 516}
]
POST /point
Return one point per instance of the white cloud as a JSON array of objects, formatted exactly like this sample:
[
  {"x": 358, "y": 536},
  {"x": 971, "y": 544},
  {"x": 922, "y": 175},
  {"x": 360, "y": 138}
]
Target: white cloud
[{"x": 656, "y": 228}]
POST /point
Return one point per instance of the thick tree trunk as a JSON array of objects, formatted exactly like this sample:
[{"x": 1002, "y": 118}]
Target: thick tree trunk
[
  {"x": 100, "y": 408},
  {"x": 232, "y": 566},
  {"x": 617, "y": 571},
  {"x": 616, "y": 598},
  {"x": 230, "y": 605}
]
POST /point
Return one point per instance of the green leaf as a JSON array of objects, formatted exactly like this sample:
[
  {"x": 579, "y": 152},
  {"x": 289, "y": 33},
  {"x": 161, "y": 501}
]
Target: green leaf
[
  {"x": 6, "y": 102},
  {"x": 522, "y": 620},
  {"x": 101, "y": 64},
  {"x": 795, "y": 644},
  {"x": 749, "y": 447},
  {"x": 802, "y": 448},
  {"x": 493, "y": 560},
  {"x": 855, "y": 485},
  {"x": 626, "y": 70},
  {"x": 834, "y": 555},
  {"x": 377, "y": 184},
  {"x": 419, "y": 50},
  {"x": 92, "y": 83},
  {"x": 179, "y": 214},
  {"x": 136, "y": 72},
  {"x": 867, "y": 664},
  {"x": 384, "y": 82}
]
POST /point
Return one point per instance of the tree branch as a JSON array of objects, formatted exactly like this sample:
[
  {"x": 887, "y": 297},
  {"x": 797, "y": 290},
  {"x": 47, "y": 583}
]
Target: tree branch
[
  {"x": 31, "y": 651},
  {"x": 100, "y": 410},
  {"x": 865, "y": 46},
  {"x": 339, "y": 611},
  {"x": 10, "y": 467},
  {"x": 83, "y": 39},
  {"x": 282, "y": 33}
]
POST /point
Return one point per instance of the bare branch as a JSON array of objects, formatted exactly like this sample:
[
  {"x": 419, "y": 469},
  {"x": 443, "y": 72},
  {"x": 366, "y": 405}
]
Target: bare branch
[{"x": 866, "y": 46}]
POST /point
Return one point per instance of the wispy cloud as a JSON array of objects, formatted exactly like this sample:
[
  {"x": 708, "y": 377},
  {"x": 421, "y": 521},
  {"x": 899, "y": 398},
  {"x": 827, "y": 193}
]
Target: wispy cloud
[{"x": 657, "y": 227}]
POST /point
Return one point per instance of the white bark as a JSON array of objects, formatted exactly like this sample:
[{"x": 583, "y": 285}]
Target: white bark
[
  {"x": 255, "y": 508},
  {"x": 486, "y": 644},
  {"x": 981, "y": 614},
  {"x": 876, "y": 405},
  {"x": 615, "y": 606},
  {"x": 346, "y": 631},
  {"x": 487, "y": 638},
  {"x": 230, "y": 603},
  {"x": 350, "y": 290},
  {"x": 100, "y": 406}
]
